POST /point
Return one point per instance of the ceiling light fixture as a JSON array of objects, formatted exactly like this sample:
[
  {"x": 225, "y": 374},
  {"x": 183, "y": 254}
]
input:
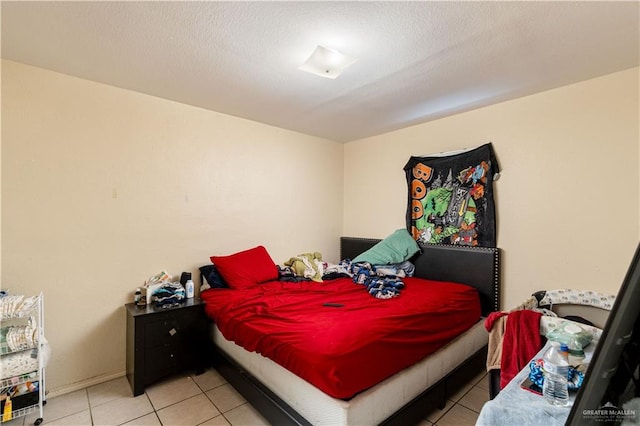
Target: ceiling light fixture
[{"x": 327, "y": 63}]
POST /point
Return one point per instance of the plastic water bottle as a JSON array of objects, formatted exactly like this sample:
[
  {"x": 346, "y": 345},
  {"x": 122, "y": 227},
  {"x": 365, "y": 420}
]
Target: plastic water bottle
[{"x": 556, "y": 370}]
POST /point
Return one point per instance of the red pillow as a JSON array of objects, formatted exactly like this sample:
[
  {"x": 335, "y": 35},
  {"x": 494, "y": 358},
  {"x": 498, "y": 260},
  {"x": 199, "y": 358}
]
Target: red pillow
[{"x": 246, "y": 268}]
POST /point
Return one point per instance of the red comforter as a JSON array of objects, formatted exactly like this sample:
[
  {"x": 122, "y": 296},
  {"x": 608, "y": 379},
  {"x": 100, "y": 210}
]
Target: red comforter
[{"x": 343, "y": 350}]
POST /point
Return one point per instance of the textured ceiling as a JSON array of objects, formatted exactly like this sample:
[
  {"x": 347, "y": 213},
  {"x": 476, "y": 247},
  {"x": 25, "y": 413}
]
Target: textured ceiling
[{"x": 418, "y": 61}]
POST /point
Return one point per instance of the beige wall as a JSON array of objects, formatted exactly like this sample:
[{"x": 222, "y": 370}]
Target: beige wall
[
  {"x": 103, "y": 187},
  {"x": 568, "y": 197}
]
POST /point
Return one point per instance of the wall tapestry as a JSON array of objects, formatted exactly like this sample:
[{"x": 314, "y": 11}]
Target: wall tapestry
[{"x": 451, "y": 198}]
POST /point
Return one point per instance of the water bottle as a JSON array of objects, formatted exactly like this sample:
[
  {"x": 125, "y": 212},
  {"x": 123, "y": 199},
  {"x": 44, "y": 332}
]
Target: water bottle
[{"x": 556, "y": 371}]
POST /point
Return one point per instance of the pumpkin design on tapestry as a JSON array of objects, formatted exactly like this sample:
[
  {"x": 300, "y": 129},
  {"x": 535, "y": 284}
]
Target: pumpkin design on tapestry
[{"x": 451, "y": 200}]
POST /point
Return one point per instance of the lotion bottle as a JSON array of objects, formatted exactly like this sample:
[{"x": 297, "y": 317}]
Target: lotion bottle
[{"x": 188, "y": 286}]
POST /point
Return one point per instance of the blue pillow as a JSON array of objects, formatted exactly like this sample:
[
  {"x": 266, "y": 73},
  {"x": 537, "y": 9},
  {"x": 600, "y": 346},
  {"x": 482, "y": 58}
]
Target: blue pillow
[
  {"x": 213, "y": 277},
  {"x": 396, "y": 248}
]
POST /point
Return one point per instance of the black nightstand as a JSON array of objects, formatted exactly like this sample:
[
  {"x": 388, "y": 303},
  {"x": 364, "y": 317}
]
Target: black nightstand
[{"x": 164, "y": 341}]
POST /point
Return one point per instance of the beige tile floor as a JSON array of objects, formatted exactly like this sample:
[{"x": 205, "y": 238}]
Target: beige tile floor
[{"x": 206, "y": 400}]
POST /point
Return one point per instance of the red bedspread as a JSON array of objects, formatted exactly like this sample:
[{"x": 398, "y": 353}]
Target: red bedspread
[{"x": 343, "y": 350}]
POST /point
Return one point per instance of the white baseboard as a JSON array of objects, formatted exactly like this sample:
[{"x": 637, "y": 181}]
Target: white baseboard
[{"x": 52, "y": 393}]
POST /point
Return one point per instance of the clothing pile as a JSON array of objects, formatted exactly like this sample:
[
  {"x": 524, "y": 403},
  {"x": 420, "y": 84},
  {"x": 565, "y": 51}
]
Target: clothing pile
[
  {"x": 170, "y": 294},
  {"x": 512, "y": 343},
  {"x": 163, "y": 290},
  {"x": 381, "y": 281},
  {"x": 307, "y": 265}
]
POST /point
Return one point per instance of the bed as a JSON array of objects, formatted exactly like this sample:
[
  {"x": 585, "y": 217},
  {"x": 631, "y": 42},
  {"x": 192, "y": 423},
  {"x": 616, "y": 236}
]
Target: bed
[{"x": 367, "y": 388}]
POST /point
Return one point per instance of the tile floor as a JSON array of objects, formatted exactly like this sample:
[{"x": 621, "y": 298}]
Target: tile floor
[{"x": 206, "y": 400}]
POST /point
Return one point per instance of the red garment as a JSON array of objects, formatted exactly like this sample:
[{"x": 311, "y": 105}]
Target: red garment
[
  {"x": 521, "y": 342},
  {"x": 492, "y": 317}
]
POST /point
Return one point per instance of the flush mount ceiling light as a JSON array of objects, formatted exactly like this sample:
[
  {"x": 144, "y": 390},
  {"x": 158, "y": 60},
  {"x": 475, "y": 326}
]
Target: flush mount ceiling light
[{"x": 327, "y": 63}]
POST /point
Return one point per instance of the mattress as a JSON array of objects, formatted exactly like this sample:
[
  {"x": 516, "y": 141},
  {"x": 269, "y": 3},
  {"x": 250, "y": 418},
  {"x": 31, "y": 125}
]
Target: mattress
[
  {"x": 369, "y": 407},
  {"x": 335, "y": 335}
]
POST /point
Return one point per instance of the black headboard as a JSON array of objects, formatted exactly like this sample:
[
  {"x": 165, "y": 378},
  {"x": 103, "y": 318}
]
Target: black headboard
[{"x": 478, "y": 267}]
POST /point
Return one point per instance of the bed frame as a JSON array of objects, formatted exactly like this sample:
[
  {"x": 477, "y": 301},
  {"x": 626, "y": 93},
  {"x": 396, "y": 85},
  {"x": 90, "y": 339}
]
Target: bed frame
[{"x": 478, "y": 267}]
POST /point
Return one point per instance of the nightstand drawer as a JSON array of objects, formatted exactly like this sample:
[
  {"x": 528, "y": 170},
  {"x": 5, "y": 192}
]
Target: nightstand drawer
[
  {"x": 162, "y": 358},
  {"x": 169, "y": 329}
]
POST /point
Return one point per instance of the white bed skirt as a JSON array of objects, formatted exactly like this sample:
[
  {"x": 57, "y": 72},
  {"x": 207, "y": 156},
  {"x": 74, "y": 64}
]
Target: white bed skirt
[{"x": 369, "y": 407}]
